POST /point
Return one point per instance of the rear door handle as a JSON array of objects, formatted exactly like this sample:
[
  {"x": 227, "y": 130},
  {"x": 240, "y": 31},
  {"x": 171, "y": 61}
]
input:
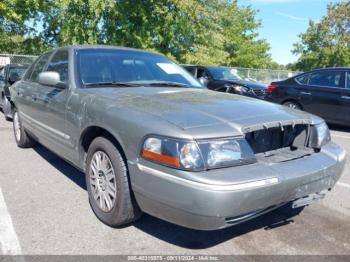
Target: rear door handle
[
  {"x": 305, "y": 93},
  {"x": 345, "y": 97}
]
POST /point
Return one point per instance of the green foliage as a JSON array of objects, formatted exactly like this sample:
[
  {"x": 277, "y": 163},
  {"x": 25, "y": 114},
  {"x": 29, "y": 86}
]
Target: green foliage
[
  {"x": 13, "y": 28},
  {"x": 212, "y": 32},
  {"x": 327, "y": 43}
]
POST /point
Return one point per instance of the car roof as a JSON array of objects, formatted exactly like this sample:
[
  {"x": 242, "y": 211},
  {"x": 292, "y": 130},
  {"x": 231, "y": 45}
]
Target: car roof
[
  {"x": 82, "y": 47},
  {"x": 205, "y": 66},
  {"x": 321, "y": 69},
  {"x": 330, "y": 68}
]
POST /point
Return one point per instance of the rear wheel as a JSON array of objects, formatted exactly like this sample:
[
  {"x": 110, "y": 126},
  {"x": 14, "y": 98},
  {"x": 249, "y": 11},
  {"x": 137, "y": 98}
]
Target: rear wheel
[
  {"x": 292, "y": 104},
  {"x": 107, "y": 183},
  {"x": 23, "y": 140}
]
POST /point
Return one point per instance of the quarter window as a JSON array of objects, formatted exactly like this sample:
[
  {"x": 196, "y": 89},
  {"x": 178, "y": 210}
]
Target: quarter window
[
  {"x": 302, "y": 79},
  {"x": 327, "y": 78},
  {"x": 348, "y": 80},
  {"x": 39, "y": 66},
  {"x": 59, "y": 64}
]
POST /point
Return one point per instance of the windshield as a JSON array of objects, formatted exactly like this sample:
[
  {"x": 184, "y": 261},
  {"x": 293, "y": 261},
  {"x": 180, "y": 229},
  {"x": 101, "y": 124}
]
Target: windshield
[
  {"x": 224, "y": 73},
  {"x": 17, "y": 71},
  {"x": 103, "y": 66}
]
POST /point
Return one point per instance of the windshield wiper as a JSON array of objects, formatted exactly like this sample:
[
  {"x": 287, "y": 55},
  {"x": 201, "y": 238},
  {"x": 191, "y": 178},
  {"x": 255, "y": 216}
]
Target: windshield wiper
[
  {"x": 116, "y": 84},
  {"x": 170, "y": 84}
]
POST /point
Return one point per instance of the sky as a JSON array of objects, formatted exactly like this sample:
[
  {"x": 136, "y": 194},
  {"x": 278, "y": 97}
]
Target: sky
[{"x": 283, "y": 20}]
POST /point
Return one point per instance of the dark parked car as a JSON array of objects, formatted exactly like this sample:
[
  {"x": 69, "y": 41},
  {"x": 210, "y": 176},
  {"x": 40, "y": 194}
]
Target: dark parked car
[
  {"x": 9, "y": 74},
  {"x": 324, "y": 92},
  {"x": 224, "y": 79},
  {"x": 150, "y": 138}
]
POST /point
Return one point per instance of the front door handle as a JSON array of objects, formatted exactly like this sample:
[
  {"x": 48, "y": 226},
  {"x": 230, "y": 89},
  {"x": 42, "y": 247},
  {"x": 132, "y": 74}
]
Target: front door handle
[
  {"x": 305, "y": 93},
  {"x": 345, "y": 97}
]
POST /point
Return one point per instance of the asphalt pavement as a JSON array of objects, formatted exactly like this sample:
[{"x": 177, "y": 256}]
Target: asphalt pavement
[{"x": 44, "y": 210}]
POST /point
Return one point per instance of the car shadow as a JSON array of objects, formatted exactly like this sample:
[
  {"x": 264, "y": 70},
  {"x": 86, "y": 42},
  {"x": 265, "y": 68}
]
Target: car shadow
[
  {"x": 65, "y": 168},
  {"x": 196, "y": 239},
  {"x": 339, "y": 128},
  {"x": 177, "y": 235}
]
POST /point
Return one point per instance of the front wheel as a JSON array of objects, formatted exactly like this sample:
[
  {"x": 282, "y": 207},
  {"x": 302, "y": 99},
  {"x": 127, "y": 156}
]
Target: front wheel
[
  {"x": 107, "y": 183},
  {"x": 23, "y": 140}
]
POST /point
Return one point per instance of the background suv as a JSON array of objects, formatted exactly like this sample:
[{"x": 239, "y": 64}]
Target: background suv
[
  {"x": 324, "y": 92},
  {"x": 9, "y": 74},
  {"x": 225, "y": 79}
]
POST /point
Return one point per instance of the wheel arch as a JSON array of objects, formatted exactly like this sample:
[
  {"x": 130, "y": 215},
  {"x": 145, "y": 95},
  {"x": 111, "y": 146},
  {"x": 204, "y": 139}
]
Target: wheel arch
[{"x": 92, "y": 132}]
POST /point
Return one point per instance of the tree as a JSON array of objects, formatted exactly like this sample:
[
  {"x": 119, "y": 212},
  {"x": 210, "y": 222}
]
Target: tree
[
  {"x": 327, "y": 43},
  {"x": 211, "y": 32},
  {"x": 15, "y": 34},
  {"x": 241, "y": 41}
]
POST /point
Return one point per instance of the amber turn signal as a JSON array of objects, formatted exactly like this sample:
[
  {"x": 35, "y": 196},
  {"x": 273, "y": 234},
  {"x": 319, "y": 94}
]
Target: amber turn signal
[{"x": 163, "y": 159}]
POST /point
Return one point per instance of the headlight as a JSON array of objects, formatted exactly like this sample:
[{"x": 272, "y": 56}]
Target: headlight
[
  {"x": 174, "y": 153},
  {"x": 320, "y": 135},
  {"x": 197, "y": 156},
  {"x": 226, "y": 152}
]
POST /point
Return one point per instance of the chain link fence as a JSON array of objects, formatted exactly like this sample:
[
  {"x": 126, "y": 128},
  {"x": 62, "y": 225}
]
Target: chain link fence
[
  {"x": 264, "y": 75},
  {"x": 16, "y": 59},
  {"x": 257, "y": 75}
]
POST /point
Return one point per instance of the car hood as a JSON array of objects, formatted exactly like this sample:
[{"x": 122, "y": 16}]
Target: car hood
[
  {"x": 253, "y": 85},
  {"x": 198, "y": 108}
]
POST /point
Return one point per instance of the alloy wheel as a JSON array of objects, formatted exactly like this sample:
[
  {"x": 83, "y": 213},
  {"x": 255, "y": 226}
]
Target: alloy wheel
[{"x": 103, "y": 181}]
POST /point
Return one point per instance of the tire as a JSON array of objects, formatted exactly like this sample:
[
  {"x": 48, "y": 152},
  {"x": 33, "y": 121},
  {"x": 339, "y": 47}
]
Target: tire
[
  {"x": 105, "y": 171},
  {"x": 6, "y": 108},
  {"x": 23, "y": 140},
  {"x": 292, "y": 104}
]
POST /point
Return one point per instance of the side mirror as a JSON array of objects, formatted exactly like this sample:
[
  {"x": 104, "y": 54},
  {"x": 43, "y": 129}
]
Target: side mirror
[
  {"x": 51, "y": 78},
  {"x": 203, "y": 80}
]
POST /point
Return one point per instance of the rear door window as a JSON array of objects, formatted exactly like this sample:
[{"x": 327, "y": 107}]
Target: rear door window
[
  {"x": 59, "y": 64},
  {"x": 348, "y": 80},
  {"x": 333, "y": 79}
]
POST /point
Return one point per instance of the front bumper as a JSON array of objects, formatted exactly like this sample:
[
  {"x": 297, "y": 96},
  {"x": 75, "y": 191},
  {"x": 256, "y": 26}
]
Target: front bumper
[{"x": 252, "y": 190}]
